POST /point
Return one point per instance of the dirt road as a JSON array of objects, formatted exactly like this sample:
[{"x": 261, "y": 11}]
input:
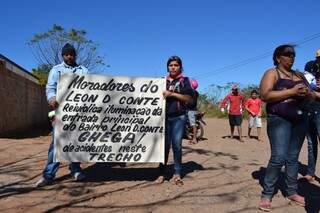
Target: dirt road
[{"x": 221, "y": 175}]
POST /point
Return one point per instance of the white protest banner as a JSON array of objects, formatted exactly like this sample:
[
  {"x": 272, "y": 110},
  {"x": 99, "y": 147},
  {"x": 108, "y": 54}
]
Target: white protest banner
[{"x": 109, "y": 119}]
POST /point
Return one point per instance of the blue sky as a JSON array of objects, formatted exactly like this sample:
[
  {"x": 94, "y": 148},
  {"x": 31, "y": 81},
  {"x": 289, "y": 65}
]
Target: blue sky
[{"x": 137, "y": 36}]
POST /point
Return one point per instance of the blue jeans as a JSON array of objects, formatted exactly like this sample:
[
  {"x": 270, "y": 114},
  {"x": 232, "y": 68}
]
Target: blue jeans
[
  {"x": 286, "y": 140},
  {"x": 51, "y": 168},
  {"x": 175, "y": 127},
  {"x": 312, "y": 137}
]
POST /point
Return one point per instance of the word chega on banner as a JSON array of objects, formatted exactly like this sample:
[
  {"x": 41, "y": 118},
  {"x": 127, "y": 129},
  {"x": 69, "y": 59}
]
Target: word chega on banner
[{"x": 109, "y": 119}]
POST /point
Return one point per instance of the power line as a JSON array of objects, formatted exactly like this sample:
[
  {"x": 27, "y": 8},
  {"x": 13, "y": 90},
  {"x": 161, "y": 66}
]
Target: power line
[
  {"x": 307, "y": 39},
  {"x": 239, "y": 64}
]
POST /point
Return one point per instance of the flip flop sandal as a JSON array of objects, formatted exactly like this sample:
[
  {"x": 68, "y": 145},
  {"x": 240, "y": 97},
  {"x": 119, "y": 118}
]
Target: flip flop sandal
[
  {"x": 177, "y": 181},
  {"x": 296, "y": 199},
  {"x": 192, "y": 143},
  {"x": 159, "y": 180},
  {"x": 265, "y": 205}
]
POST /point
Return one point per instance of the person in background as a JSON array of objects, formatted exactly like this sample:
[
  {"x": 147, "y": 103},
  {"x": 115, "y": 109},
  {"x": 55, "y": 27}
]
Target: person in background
[
  {"x": 235, "y": 100},
  {"x": 284, "y": 90},
  {"x": 254, "y": 107},
  {"x": 313, "y": 66},
  {"x": 178, "y": 95},
  {"x": 192, "y": 112},
  {"x": 68, "y": 65},
  {"x": 312, "y": 74}
]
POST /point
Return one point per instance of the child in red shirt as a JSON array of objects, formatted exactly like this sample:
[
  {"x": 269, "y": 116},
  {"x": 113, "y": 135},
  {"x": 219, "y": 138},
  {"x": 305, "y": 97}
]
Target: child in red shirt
[{"x": 254, "y": 107}]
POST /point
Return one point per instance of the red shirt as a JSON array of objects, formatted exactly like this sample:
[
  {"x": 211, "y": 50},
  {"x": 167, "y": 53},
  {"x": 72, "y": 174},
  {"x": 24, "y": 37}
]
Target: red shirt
[
  {"x": 235, "y": 103},
  {"x": 254, "y": 106}
]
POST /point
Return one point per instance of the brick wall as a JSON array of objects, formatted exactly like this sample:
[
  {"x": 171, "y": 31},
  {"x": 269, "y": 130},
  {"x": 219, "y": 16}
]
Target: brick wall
[{"x": 23, "y": 103}]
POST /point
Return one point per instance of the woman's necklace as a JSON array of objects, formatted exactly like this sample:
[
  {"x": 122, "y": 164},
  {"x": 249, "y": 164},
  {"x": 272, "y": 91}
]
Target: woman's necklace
[{"x": 285, "y": 73}]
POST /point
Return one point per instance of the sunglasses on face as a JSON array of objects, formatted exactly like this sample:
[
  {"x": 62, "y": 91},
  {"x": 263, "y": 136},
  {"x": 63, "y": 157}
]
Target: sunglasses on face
[{"x": 289, "y": 54}]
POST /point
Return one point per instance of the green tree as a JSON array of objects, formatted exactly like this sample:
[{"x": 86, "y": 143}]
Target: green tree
[
  {"x": 247, "y": 89},
  {"x": 46, "y": 47},
  {"x": 205, "y": 104},
  {"x": 42, "y": 72},
  {"x": 216, "y": 92}
]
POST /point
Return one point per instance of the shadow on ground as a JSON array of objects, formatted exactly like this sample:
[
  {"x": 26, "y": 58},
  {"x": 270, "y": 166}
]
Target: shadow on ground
[
  {"x": 310, "y": 191},
  {"x": 120, "y": 172}
]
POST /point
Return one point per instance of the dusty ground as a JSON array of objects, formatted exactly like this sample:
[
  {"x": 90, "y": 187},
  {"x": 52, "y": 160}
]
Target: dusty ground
[{"x": 221, "y": 175}]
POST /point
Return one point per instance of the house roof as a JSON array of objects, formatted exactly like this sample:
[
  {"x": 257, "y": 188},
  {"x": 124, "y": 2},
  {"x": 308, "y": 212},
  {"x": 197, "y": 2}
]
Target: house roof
[{"x": 16, "y": 68}]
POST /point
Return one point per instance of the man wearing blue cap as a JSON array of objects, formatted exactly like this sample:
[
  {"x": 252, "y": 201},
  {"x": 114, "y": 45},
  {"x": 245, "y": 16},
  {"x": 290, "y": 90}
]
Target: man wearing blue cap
[{"x": 68, "y": 65}]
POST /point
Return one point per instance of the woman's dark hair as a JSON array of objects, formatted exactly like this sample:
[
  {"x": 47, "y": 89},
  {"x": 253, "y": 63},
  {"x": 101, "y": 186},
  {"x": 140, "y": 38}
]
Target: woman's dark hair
[
  {"x": 285, "y": 48},
  {"x": 177, "y": 59}
]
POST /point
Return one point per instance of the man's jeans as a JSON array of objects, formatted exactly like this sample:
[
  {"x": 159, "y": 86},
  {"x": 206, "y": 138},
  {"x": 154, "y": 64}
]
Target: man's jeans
[
  {"x": 175, "y": 127},
  {"x": 286, "y": 140},
  {"x": 51, "y": 168},
  {"x": 312, "y": 136}
]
